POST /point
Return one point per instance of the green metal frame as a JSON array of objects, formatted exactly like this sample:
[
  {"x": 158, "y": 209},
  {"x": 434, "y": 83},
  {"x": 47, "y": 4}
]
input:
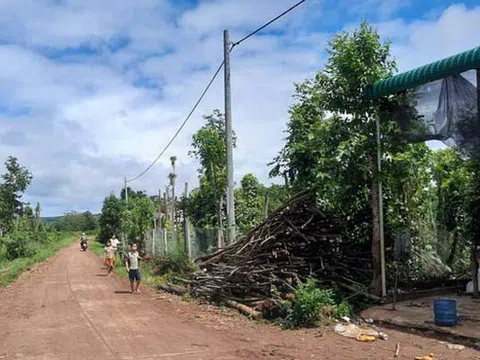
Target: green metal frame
[{"x": 435, "y": 71}]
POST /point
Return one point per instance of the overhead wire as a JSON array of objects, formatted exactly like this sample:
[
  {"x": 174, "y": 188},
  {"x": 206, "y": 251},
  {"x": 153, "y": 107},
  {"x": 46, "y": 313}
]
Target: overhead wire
[
  {"x": 182, "y": 125},
  {"x": 233, "y": 45},
  {"x": 268, "y": 23}
]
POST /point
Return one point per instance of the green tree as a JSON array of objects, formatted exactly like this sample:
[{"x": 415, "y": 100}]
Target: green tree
[
  {"x": 132, "y": 194},
  {"x": 70, "y": 221},
  {"x": 137, "y": 218},
  {"x": 110, "y": 218},
  {"x": 90, "y": 222},
  {"x": 206, "y": 203},
  {"x": 38, "y": 211},
  {"x": 15, "y": 181},
  {"x": 248, "y": 203},
  {"x": 275, "y": 195},
  {"x": 473, "y": 224},
  {"x": 202, "y": 206},
  {"x": 454, "y": 180},
  {"x": 74, "y": 221},
  {"x": 143, "y": 211},
  {"x": 331, "y": 143},
  {"x": 27, "y": 211}
]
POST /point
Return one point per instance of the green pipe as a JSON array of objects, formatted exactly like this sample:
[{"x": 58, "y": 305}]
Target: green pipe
[{"x": 424, "y": 74}]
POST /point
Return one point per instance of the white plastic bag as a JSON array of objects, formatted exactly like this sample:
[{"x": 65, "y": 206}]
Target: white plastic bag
[
  {"x": 353, "y": 331},
  {"x": 470, "y": 283}
]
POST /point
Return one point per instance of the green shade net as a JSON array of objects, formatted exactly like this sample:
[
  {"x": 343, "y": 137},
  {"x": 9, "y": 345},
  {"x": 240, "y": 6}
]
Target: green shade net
[{"x": 444, "y": 110}]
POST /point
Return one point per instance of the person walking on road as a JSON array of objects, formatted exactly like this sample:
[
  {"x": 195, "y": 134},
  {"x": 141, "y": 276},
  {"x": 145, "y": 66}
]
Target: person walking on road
[
  {"x": 114, "y": 241},
  {"x": 133, "y": 269},
  {"x": 108, "y": 254}
]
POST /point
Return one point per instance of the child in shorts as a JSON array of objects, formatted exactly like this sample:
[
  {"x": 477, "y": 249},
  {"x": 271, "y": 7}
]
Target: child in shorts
[
  {"x": 108, "y": 254},
  {"x": 133, "y": 269}
]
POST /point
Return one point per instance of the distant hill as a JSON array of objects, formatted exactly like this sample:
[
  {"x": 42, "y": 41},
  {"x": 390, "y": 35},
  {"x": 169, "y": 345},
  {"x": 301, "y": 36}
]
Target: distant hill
[
  {"x": 55, "y": 219},
  {"x": 51, "y": 219}
]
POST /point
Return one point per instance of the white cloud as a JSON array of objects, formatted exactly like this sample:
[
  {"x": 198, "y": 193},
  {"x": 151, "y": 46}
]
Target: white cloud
[
  {"x": 424, "y": 41},
  {"x": 103, "y": 85}
]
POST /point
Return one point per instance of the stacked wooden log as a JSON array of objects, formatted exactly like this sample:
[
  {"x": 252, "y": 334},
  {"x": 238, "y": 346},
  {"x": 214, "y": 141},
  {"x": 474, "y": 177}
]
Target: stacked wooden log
[{"x": 296, "y": 242}]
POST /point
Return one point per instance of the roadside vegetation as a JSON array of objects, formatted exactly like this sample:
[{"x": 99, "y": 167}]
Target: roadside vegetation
[
  {"x": 25, "y": 240},
  {"x": 10, "y": 270}
]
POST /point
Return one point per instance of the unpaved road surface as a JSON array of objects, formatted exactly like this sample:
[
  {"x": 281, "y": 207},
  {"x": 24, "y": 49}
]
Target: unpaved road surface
[{"x": 68, "y": 309}]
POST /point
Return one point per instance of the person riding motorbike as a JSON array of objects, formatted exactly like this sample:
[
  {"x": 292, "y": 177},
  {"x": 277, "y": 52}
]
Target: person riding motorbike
[{"x": 83, "y": 241}]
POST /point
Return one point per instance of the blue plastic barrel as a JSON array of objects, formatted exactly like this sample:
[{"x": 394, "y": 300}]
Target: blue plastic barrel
[{"x": 445, "y": 312}]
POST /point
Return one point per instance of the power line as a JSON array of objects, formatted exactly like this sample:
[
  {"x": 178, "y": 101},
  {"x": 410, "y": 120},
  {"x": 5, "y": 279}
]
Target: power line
[
  {"x": 209, "y": 85},
  {"x": 181, "y": 126},
  {"x": 268, "y": 23}
]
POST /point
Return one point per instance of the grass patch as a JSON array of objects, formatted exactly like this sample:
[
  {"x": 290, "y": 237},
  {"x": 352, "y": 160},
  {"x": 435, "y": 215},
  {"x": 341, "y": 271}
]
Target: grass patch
[
  {"x": 11, "y": 270},
  {"x": 96, "y": 247}
]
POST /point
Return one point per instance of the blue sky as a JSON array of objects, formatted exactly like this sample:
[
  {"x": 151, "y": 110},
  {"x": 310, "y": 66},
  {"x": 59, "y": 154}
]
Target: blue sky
[{"x": 91, "y": 90}]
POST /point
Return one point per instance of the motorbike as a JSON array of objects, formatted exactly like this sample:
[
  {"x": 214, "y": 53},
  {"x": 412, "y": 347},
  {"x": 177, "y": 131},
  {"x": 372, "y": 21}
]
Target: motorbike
[{"x": 84, "y": 245}]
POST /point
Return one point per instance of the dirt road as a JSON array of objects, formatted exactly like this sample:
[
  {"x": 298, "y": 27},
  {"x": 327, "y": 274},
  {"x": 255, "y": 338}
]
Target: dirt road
[{"x": 68, "y": 309}]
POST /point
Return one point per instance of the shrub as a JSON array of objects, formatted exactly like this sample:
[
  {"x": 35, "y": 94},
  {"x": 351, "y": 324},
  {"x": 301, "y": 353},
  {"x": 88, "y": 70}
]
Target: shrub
[
  {"x": 313, "y": 306},
  {"x": 175, "y": 264},
  {"x": 20, "y": 245}
]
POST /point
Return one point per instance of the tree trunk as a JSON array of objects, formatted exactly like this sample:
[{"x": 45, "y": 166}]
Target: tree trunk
[
  {"x": 453, "y": 249},
  {"x": 376, "y": 262},
  {"x": 244, "y": 309},
  {"x": 265, "y": 209}
]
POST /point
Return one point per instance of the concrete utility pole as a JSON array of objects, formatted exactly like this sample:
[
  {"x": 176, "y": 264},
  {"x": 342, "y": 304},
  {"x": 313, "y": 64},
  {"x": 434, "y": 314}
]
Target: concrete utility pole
[
  {"x": 380, "y": 210},
  {"x": 186, "y": 226},
  {"x": 476, "y": 249},
  {"x": 172, "y": 178},
  {"x": 167, "y": 201},
  {"x": 165, "y": 241},
  {"x": 229, "y": 139},
  {"x": 126, "y": 191},
  {"x": 160, "y": 209},
  {"x": 124, "y": 235}
]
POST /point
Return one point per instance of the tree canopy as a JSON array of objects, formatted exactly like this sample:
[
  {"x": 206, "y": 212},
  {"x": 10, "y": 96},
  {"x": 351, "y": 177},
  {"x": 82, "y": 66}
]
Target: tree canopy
[
  {"x": 16, "y": 180},
  {"x": 110, "y": 218},
  {"x": 206, "y": 204},
  {"x": 74, "y": 221},
  {"x": 133, "y": 219},
  {"x": 331, "y": 148}
]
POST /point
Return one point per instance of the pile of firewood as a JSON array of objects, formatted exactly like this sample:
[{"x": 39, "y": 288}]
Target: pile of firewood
[{"x": 296, "y": 242}]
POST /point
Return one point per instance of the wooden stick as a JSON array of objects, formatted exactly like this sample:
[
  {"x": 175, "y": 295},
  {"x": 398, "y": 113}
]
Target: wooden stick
[
  {"x": 244, "y": 309},
  {"x": 397, "y": 350},
  {"x": 364, "y": 293},
  {"x": 177, "y": 290}
]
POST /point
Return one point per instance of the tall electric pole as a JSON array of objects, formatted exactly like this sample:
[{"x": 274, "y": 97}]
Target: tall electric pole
[
  {"x": 186, "y": 226},
  {"x": 126, "y": 191},
  {"x": 172, "y": 178},
  {"x": 124, "y": 235},
  {"x": 229, "y": 139},
  {"x": 380, "y": 209}
]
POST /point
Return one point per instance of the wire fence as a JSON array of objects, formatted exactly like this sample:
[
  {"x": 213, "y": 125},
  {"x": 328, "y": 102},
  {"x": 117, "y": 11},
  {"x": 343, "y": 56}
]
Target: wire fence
[{"x": 166, "y": 242}]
